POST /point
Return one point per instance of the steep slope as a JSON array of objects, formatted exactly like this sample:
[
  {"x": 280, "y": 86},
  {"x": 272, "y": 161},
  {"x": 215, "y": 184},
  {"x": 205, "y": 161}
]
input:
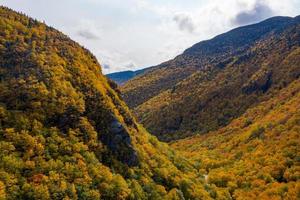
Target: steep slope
[
  {"x": 64, "y": 131},
  {"x": 122, "y": 77},
  {"x": 235, "y": 71},
  {"x": 257, "y": 155}
]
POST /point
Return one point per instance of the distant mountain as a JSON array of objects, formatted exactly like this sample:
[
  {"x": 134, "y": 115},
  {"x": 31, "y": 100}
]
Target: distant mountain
[
  {"x": 217, "y": 80},
  {"x": 66, "y": 134},
  {"x": 122, "y": 77}
]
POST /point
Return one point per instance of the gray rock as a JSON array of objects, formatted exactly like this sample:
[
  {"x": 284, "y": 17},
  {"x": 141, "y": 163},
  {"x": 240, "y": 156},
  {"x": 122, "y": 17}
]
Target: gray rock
[{"x": 119, "y": 143}]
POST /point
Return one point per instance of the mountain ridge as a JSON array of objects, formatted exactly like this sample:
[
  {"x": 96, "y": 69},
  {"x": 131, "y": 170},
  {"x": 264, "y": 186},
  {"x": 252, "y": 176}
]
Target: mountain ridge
[
  {"x": 117, "y": 76},
  {"x": 274, "y": 23},
  {"x": 175, "y": 105}
]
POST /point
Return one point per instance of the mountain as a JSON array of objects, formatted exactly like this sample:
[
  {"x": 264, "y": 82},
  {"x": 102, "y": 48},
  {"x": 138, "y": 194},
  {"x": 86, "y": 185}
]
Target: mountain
[
  {"x": 217, "y": 80},
  {"x": 122, "y": 77},
  {"x": 257, "y": 155},
  {"x": 65, "y": 133}
]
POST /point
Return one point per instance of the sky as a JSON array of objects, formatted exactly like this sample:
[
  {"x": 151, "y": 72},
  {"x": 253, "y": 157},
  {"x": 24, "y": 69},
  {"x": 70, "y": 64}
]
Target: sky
[{"x": 134, "y": 34}]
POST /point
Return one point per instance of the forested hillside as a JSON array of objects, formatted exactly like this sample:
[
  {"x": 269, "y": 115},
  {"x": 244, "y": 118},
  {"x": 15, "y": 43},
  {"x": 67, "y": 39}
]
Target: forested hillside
[
  {"x": 219, "y": 79},
  {"x": 64, "y": 131},
  {"x": 257, "y": 155}
]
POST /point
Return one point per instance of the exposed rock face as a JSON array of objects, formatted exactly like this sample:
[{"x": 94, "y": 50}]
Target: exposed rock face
[{"x": 119, "y": 143}]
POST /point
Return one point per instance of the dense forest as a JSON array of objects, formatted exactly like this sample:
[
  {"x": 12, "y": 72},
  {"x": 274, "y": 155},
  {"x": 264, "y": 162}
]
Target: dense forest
[
  {"x": 257, "y": 155},
  {"x": 64, "y": 131},
  {"x": 232, "y": 115}
]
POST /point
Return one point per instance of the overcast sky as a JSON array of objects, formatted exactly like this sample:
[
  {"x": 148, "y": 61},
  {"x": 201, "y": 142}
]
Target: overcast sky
[{"x": 133, "y": 34}]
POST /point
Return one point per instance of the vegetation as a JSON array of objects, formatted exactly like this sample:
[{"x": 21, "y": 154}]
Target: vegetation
[
  {"x": 219, "y": 79},
  {"x": 64, "y": 131},
  {"x": 257, "y": 160}
]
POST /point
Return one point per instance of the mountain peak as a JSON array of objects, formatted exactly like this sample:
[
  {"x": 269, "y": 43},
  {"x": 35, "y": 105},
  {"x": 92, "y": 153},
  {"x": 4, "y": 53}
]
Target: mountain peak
[{"x": 238, "y": 38}]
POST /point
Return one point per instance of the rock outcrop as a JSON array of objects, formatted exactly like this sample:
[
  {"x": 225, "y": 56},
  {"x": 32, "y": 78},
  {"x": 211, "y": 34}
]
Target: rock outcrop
[{"x": 119, "y": 143}]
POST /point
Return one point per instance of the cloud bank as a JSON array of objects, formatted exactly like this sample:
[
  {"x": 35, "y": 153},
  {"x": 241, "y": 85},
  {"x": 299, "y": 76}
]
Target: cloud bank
[{"x": 133, "y": 34}]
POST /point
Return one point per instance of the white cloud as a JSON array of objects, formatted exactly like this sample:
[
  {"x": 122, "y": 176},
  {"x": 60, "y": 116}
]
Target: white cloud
[{"x": 131, "y": 34}]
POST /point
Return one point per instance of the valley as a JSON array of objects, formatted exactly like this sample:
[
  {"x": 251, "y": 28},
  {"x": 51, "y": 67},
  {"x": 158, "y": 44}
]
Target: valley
[{"x": 219, "y": 121}]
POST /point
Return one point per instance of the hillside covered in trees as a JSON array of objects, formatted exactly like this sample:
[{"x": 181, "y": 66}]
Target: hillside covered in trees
[
  {"x": 217, "y": 80},
  {"x": 66, "y": 134},
  {"x": 257, "y": 155}
]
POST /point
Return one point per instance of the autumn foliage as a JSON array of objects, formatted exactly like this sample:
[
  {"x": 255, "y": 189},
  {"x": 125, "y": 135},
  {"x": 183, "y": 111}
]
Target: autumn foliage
[{"x": 64, "y": 131}]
